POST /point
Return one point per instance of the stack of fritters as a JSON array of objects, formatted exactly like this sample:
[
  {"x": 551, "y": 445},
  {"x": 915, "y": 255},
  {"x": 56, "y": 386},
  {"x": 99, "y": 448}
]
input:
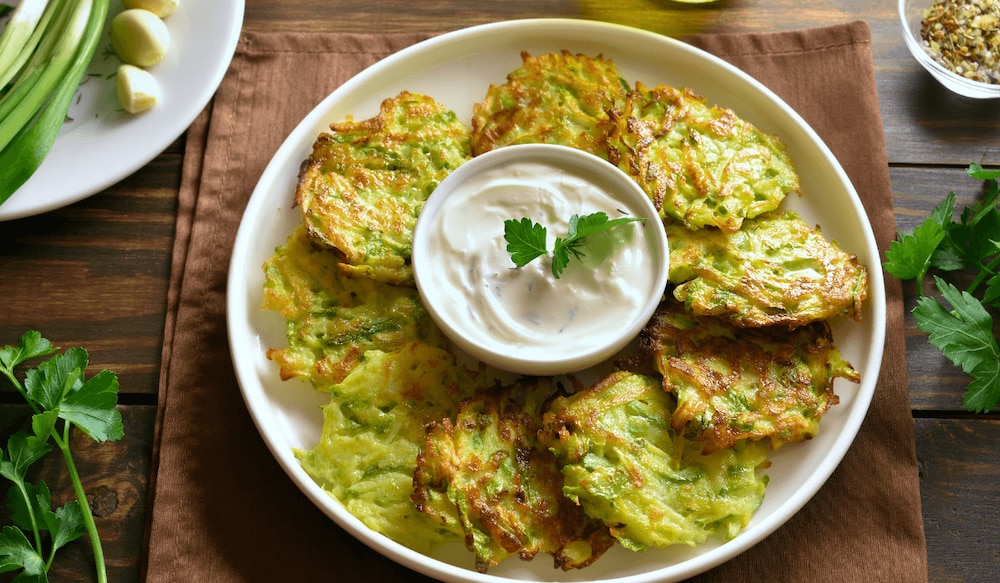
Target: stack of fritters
[
  {"x": 699, "y": 164},
  {"x": 507, "y": 489},
  {"x": 425, "y": 450},
  {"x": 373, "y": 430},
  {"x": 718, "y": 182}
]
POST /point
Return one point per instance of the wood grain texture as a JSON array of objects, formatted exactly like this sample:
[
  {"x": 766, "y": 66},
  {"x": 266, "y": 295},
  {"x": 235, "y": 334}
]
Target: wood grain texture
[
  {"x": 95, "y": 274},
  {"x": 959, "y": 477}
]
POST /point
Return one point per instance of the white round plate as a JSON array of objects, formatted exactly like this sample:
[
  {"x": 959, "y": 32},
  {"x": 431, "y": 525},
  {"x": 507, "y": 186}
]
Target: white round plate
[
  {"x": 456, "y": 69},
  {"x": 100, "y": 143}
]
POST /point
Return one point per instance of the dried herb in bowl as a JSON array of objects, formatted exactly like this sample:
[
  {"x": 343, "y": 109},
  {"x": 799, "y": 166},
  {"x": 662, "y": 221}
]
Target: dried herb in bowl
[{"x": 964, "y": 37}]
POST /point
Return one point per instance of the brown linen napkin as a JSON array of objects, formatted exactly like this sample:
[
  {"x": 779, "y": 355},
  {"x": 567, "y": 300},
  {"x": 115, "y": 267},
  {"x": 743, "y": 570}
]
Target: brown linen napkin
[{"x": 221, "y": 509}]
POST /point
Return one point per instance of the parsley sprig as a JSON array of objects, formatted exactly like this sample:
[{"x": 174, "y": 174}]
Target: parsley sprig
[
  {"x": 526, "y": 239},
  {"x": 963, "y": 334},
  {"x": 61, "y": 399}
]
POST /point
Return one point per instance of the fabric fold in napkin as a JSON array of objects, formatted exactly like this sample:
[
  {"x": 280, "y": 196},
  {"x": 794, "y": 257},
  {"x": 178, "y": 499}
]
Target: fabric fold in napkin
[{"x": 222, "y": 510}]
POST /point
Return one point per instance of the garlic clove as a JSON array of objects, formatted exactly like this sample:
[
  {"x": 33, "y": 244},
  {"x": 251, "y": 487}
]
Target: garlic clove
[
  {"x": 161, "y": 8},
  {"x": 139, "y": 37},
  {"x": 138, "y": 89}
]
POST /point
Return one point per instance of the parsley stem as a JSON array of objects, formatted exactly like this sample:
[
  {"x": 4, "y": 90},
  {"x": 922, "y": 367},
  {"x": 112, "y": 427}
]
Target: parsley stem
[
  {"x": 31, "y": 515},
  {"x": 9, "y": 373},
  {"x": 987, "y": 271},
  {"x": 81, "y": 495}
]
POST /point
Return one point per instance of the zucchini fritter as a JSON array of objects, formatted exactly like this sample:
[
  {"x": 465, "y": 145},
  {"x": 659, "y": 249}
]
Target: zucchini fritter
[
  {"x": 555, "y": 98},
  {"x": 508, "y": 489},
  {"x": 332, "y": 319},
  {"x": 775, "y": 270},
  {"x": 735, "y": 383},
  {"x": 426, "y": 451},
  {"x": 363, "y": 186},
  {"x": 625, "y": 465},
  {"x": 372, "y": 431},
  {"x": 702, "y": 165}
]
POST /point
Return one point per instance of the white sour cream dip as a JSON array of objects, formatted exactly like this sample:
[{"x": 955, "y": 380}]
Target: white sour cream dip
[{"x": 526, "y": 313}]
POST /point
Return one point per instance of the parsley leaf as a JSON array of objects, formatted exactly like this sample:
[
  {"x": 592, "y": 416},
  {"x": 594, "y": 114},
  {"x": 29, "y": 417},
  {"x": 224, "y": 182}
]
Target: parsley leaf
[
  {"x": 578, "y": 229},
  {"x": 965, "y": 336},
  {"x": 16, "y": 552},
  {"x": 991, "y": 296},
  {"x": 526, "y": 239},
  {"x": 22, "y": 451},
  {"x": 31, "y": 345},
  {"x": 91, "y": 407},
  {"x": 977, "y": 171},
  {"x": 909, "y": 257},
  {"x": 62, "y": 398}
]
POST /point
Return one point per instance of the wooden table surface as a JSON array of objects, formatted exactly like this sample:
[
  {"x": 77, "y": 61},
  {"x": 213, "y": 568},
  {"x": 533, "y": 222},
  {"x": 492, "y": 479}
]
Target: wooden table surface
[{"x": 95, "y": 274}]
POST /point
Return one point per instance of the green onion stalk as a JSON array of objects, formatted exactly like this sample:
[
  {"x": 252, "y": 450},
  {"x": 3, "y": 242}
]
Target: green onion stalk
[{"x": 44, "y": 52}]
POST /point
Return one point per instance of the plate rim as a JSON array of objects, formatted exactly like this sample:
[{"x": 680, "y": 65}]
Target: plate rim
[{"x": 445, "y": 571}]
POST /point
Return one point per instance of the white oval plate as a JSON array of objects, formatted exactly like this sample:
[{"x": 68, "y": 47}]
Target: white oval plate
[
  {"x": 456, "y": 69},
  {"x": 100, "y": 143}
]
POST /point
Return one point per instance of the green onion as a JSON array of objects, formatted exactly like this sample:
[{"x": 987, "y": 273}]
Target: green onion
[
  {"x": 18, "y": 35},
  {"x": 50, "y": 61},
  {"x": 16, "y": 57},
  {"x": 42, "y": 72}
]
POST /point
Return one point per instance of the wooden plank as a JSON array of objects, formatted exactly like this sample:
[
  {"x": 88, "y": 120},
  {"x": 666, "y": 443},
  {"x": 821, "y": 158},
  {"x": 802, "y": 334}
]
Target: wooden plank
[
  {"x": 94, "y": 274},
  {"x": 959, "y": 478}
]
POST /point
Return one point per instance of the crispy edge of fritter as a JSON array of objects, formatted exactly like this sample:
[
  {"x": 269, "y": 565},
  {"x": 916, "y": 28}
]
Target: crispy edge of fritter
[
  {"x": 527, "y": 515},
  {"x": 685, "y": 188},
  {"x": 704, "y": 359},
  {"x": 305, "y": 284},
  {"x": 575, "y": 427},
  {"x": 372, "y": 240},
  {"x": 530, "y": 88},
  {"x": 841, "y": 291}
]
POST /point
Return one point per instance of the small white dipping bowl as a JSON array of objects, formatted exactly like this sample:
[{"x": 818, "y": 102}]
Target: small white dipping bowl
[{"x": 523, "y": 319}]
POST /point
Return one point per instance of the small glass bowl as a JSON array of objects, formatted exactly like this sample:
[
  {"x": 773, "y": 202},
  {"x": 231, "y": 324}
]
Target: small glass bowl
[
  {"x": 910, "y": 15},
  {"x": 563, "y": 351}
]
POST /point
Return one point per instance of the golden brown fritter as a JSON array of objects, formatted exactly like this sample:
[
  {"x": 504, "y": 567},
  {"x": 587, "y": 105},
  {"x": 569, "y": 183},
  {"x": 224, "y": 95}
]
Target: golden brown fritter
[
  {"x": 737, "y": 383},
  {"x": 373, "y": 429},
  {"x": 624, "y": 464},
  {"x": 331, "y": 318},
  {"x": 775, "y": 270},
  {"x": 555, "y": 98},
  {"x": 700, "y": 164},
  {"x": 364, "y": 184},
  {"x": 507, "y": 489}
]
